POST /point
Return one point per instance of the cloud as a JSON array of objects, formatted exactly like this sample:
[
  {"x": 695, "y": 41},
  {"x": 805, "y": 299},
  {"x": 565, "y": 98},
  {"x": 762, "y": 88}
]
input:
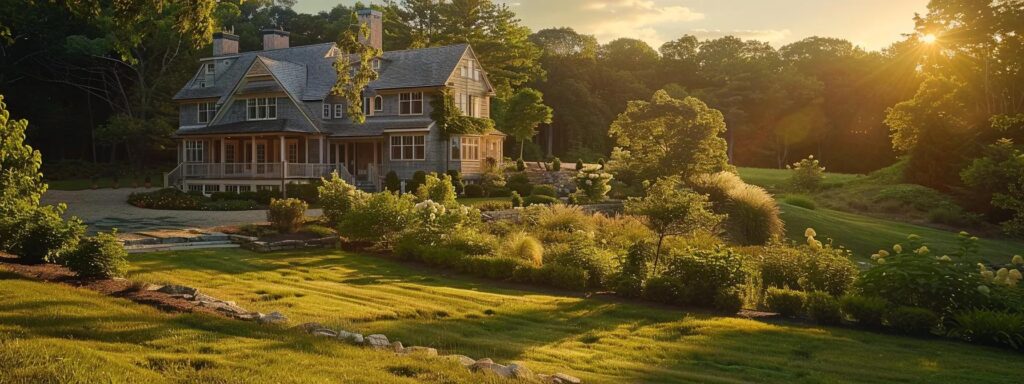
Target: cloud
[
  {"x": 768, "y": 35},
  {"x": 611, "y": 19}
]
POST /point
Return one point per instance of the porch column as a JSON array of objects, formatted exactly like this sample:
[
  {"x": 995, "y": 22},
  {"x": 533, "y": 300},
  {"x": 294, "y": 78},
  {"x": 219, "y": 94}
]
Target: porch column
[
  {"x": 252, "y": 145},
  {"x": 320, "y": 147}
]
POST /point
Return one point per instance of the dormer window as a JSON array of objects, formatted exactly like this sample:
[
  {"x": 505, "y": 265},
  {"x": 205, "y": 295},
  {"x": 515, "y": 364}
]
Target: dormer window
[
  {"x": 367, "y": 108},
  {"x": 410, "y": 103},
  {"x": 261, "y": 108},
  {"x": 375, "y": 64},
  {"x": 339, "y": 111},
  {"x": 210, "y": 69},
  {"x": 326, "y": 111},
  {"x": 206, "y": 112},
  {"x": 378, "y": 103}
]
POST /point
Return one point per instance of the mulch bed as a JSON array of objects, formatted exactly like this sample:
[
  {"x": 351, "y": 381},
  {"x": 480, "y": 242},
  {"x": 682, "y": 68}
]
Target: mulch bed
[{"x": 122, "y": 288}]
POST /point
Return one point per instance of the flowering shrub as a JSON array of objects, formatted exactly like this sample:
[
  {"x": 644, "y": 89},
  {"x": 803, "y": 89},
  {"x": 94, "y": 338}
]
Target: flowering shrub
[
  {"x": 807, "y": 174},
  {"x": 437, "y": 189},
  {"x": 592, "y": 184},
  {"x": 912, "y": 276},
  {"x": 337, "y": 197},
  {"x": 433, "y": 222},
  {"x": 811, "y": 267}
]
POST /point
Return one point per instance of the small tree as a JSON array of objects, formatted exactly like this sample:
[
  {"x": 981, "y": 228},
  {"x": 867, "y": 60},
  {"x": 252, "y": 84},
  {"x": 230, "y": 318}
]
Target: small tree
[
  {"x": 353, "y": 79},
  {"x": 556, "y": 165},
  {"x": 392, "y": 182},
  {"x": 807, "y": 174},
  {"x": 999, "y": 177},
  {"x": 522, "y": 113},
  {"x": 670, "y": 209},
  {"x": 579, "y": 165}
]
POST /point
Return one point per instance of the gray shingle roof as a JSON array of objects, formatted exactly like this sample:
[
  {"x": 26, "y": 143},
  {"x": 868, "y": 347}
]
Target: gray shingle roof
[
  {"x": 258, "y": 126},
  {"x": 375, "y": 126},
  {"x": 308, "y": 74}
]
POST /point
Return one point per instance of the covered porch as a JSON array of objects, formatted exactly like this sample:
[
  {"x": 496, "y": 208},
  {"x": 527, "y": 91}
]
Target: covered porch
[{"x": 361, "y": 157}]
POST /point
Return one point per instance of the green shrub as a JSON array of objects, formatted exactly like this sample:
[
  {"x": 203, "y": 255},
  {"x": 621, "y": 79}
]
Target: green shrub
[
  {"x": 989, "y": 327},
  {"x": 954, "y": 216},
  {"x": 457, "y": 182},
  {"x": 579, "y": 164},
  {"x": 520, "y": 164},
  {"x": 230, "y": 205},
  {"x": 474, "y": 190},
  {"x": 167, "y": 198},
  {"x": 319, "y": 230},
  {"x": 418, "y": 178},
  {"x": 544, "y": 190},
  {"x": 101, "y": 256},
  {"x": 913, "y": 321},
  {"x": 46, "y": 237},
  {"x": 823, "y": 308},
  {"x": 629, "y": 282},
  {"x": 522, "y": 246},
  {"x": 392, "y": 182},
  {"x": 493, "y": 206},
  {"x": 562, "y": 276},
  {"x": 911, "y": 276},
  {"x": 807, "y": 174},
  {"x": 380, "y": 218},
  {"x": 437, "y": 189},
  {"x": 473, "y": 242},
  {"x": 517, "y": 201},
  {"x": 256, "y": 230},
  {"x": 702, "y": 273},
  {"x": 556, "y": 165},
  {"x": 729, "y": 300},
  {"x": 866, "y": 311},
  {"x": 540, "y": 200},
  {"x": 581, "y": 252},
  {"x": 662, "y": 289},
  {"x": 807, "y": 267},
  {"x": 786, "y": 302},
  {"x": 999, "y": 176},
  {"x": 519, "y": 182},
  {"x": 287, "y": 215},
  {"x": 801, "y": 201},
  {"x": 592, "y": 185},
  {"x": 337, "y": 198}
]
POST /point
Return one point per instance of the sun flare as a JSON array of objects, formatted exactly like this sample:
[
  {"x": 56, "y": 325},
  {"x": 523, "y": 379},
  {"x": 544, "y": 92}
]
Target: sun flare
[{"x": 928, "y": 39}]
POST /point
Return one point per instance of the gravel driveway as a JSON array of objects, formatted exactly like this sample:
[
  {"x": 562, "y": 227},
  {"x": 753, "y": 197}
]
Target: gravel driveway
[{"x": 104, "y": 209}]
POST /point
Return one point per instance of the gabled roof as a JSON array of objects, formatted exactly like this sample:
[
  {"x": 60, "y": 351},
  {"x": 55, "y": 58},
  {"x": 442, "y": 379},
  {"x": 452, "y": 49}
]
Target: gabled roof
[{"x": 307, "y": 72}]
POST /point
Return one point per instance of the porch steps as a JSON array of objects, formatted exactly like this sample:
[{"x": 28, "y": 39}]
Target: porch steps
[{"x": 366, "y": 186}]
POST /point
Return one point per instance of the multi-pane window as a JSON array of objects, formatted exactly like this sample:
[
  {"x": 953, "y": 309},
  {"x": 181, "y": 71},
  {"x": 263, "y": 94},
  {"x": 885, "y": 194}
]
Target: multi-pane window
[
  {"x": 367, "y": 107},
  {"x": 195, "y": 188},
  {"x": 327, "y": 111},
  {"x": 410, "y": 103},
  {"x": 378, "y": 103},
  {"x": 455, "y": 150},
  {"x": 211, "y": 188},
  {"x": 261, "y": 108},
  {"x": 209, "y": 68},
  {"x": 407, "y": 147},
  {"x": 194, "y": 151},
  {"x": 339, "y": 111},
  {"x": 470, "y": 148},
  {"x": 267, "y": 187},
  {"x": 206, "y": 112},
  {"x": 237, "y": 188},
  {"x": 229, "y": 152},
  {"x": 293, "y": 152}
]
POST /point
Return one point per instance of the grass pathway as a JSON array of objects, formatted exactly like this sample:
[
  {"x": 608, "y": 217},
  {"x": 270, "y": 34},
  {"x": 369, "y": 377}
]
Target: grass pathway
[{"x": 601, "y": 340}]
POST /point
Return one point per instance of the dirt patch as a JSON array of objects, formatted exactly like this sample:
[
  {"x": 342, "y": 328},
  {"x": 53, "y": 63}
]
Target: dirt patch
[{"x": 122, "y": 288}]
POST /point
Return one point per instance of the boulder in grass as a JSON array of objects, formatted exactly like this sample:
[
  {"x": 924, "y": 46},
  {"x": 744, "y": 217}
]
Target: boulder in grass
[
  {"x": 177, "y": 290},
  {"x": 425, "y": 351},
  {"x": 490, "y": 368},
  {"x": 397, "y": 346},
  {"x": 377, "y": 341},
  {"x": 466, "y": 361},
  {"x": 309, "y": 327},
  {"x": 521, "y": 372},
  {"x": 325, "y": 333},
  {"x": 272, "y": 318},
  {"x": 561, "y": 378}
]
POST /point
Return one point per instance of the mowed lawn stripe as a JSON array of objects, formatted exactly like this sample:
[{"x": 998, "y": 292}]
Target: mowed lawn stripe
[{"x": 602, "y": 340}]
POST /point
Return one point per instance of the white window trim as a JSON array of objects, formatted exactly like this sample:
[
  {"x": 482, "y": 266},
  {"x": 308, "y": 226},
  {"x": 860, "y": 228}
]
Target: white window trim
[
  {"x": 211, "y": 110},
  {"x": 339, "y": 111},
  {"x": 195, "y": 151},
  {"x": 210, "y": 68},
  {"x": 414, "y": 98},
  {"x": 375, "y": 64},
  {"x": 378, "y": 103},
  {"x": 269, "y": 104},
  {"x": 368, "y": 106},
  {"x": 326, "y": 112},
  {"x": 401, "y": 144}
]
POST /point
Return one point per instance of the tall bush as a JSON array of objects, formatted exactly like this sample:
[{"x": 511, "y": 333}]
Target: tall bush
[
  {"x": 807, "y": 174},
  {"x": 592, "y": 185},
  {"x": 437, "y": 189},
  {"x": 629, "y": 282},
  {"x": 337, "y": 197},
  {"x": 703, "y": 273},
  {"x": 670, "y": 210},
  {"x": 378, "y": 218},
  {"x": 287, "y": 215},
  {"x": 998, "y": 177},
  {"x": 46, "y": 237}
]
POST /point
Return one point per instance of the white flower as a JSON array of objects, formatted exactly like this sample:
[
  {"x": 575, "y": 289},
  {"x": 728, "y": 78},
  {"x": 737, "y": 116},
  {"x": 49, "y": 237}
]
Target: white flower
[
  {"x": 898, "y": 248},
  {"x": 809, "y": 232},
  {"x": 922, "y": 251},
  {"x": 945, "y": 258},
  {"x": 1017, "y": 260}
]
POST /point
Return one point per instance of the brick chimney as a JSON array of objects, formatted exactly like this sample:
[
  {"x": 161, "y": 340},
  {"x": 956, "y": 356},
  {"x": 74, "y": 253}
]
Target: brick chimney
[
  {"x": 374, "y": 21},
  {"x": 274, "y": 38},
  {"x": 225, "y": 43}
]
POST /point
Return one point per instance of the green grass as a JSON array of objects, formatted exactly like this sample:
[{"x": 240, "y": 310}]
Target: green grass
[
  {"x": 598, "y": 339},
  {"x": 865, "y": 235},
  {"x": 476, "y": 201},
  {"x": 777, "y": 179},
  {"x": 51, "y": 333}
]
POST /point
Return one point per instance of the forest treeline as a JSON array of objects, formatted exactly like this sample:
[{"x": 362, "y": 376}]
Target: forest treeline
[{"x": 98, "y": 90}]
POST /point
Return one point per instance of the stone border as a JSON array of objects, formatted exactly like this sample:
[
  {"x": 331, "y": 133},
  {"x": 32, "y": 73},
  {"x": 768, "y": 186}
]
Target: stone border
[
  {"x": 226, "y": 308},
  {"x": 253, "y": 244},
  {"x": 485, "y": 366}
]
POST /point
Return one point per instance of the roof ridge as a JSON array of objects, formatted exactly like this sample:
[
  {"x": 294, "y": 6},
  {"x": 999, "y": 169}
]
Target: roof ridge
[{"x": 427, "y": 48}]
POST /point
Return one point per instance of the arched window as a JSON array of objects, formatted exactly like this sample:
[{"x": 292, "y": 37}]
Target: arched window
[{"x": 378, "y": 103}]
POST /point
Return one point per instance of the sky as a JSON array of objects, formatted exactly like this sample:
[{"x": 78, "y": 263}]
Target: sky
[{"x": 871, "y": 24}]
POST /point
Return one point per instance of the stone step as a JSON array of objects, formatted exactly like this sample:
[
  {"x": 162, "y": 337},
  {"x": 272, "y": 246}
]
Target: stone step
[{"x": 179, "y": 246}]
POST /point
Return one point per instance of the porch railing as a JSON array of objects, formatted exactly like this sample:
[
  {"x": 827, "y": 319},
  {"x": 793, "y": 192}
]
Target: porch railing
[{"x": 256, "y": 171}]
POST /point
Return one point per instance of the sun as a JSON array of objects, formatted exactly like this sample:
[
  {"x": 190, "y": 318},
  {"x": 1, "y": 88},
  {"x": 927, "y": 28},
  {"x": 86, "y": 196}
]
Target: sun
[{"x": 928, "y": 38}]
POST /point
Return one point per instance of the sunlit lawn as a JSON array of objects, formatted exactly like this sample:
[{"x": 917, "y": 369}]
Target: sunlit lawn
[
  {"x": 476, "y": 201},
  {"x": 599, "y": 339},
  {"x": 51, "y": 333},
  {"x": 776, "y": 179}
]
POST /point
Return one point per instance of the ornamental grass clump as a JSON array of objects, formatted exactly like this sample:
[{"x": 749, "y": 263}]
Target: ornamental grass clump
[
  {"x": 753, "y": 214},
  {"x": 523, "y": 246}
]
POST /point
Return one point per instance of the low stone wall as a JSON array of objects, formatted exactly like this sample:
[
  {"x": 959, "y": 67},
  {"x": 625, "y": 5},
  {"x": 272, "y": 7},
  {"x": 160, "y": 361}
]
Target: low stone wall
[
  {"x": 227, "y": 308},
  {"x": 253, "y": 244},
  {"x": 484, "y": 366}
]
